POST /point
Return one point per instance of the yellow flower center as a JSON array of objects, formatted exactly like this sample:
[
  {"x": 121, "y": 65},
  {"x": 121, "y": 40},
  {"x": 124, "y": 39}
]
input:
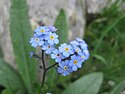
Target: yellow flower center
[
  {"x": 77, "y": 50},
  {"x": 42, "y": 30},
  {"x": 75, "y": 62},
  {"x": 82, "y": 56},
  {"x": 67, "y": 49},
  {"x": 65, "y": 67},
  {"x": 37, "y": 39},
  {"x": 51, "y": 37}
]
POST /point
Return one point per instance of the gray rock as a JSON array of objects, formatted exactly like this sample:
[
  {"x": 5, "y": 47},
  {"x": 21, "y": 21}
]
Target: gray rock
[
  {"x": 46, "y": 11},
  {"x": 96, "y": 6},
  {"x": 5, "y": 39}
]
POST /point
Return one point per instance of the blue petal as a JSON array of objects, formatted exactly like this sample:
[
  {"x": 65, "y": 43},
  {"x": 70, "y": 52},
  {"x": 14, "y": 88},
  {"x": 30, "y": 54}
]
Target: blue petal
[
  {"x": 48, "y": 52},
  {"x": 34, "y": 45},
  {"x": 56, "y": 41},
  {"x": 79, "y": 65},
  {"x": 65, "y": 73},
  {"x": 38, "y": 33},
  {"x": 50, "y": 42},
  {"x": 31, "y": 54},
  {"x": 61, "y": 64},
  {"x": 53, "y": 56},
  {"x": 60, "y": 70},
  {"x": 58, "y": 60},
  {"x": 71, "y": 64},
  {"x": 44, "y": 47},
  {"x": 61, "y": 49},
  {"x": 31, "y": 40},
  {"x": 74, "y": 68},
  {"x": 40, "y": 43},
  {"x": 65, "y": 54}
]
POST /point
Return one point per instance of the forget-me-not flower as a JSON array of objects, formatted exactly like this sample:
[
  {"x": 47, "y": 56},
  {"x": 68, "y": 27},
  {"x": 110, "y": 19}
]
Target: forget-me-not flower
[
  {"x": 64, "y": 68},
  {"x": 48, "y": 48},
  {"x": 31, "y": 54},
  {"x": 65, "y": 49},
  {"x": 75, "y": 62},
  {"x": 77, "y": 49},
  {"x": 52, "y": 38},
  {"x": 86, "y": 54},
  {"x": 82, "y": 43},
  {"x": 52, "y": 28},
  {"x": 42, "y": 30},
  {"x": 57, "y": 55},
  {"x": 82, "y": 56},
  {"x": 36, "y": 41},
  {"x": 74, "y": 43}
]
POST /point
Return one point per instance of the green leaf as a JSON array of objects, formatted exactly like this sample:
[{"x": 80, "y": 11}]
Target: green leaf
[
  {"x": 1, "y": 53},
  {"x": 61, "y": 25},
  {"x": 99, "y": 57},
  {"x": 105, "y": 93},
  {"x": 10, "y": 79},
  {"x": 88, "y": 84},
  {"x": 21, "y": 33},
  {"x": 51, "y": 75},
  {"x": 6, "y": 91},
  {"x": 118, "y": 88}
]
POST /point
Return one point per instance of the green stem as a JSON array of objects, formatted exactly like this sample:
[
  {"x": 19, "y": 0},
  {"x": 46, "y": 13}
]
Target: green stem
[
  {"x": 44, "y": 69},
  {"x": 44, "y": 72},
  {"x": 51, "y": 66}
]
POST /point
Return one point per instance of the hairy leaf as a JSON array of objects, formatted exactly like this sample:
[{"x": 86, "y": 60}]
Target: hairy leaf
[
  {"x": 10, "y": 79},
  {"x": 61, "y": 25},
  {"x": 21, "y": 33},
  {"x": 88, "y": 84}
]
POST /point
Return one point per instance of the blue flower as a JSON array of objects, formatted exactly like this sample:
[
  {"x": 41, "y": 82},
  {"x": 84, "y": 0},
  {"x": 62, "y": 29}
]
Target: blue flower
[
  {"x": 52, "y": 28},
  {"x": 57, "y": 56},
  {"x": 64, "y": 68},
  {"x": 82, "y": 43},
  {"x": 77, "y": 49},
  {"x": 36, "y": 41},
  {"x": 80, "y": 40},
  {"x": 74, "y": 43},
  {"x": 48, "y": 48},
  {"x": 82, "y": 57},
  {"x": 86, "y": 53},
  {"x": 52, "y": 38},
  {"x": 31, "y": 54},
  {"x": 42, "y": 30},
  {"x": 75, "y": 62},
  {"x": 65, "y": 49}
]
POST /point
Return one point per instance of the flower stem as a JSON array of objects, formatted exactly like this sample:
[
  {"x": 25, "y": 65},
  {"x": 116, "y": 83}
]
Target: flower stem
[
  {"x": 51, "y": 66},
  {"x": 44, "y": 72},
  {"x": 44, "y": 69}
]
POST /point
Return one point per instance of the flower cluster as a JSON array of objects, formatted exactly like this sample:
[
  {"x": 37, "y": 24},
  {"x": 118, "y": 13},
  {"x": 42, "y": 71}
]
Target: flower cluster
[
  {"x": 70, "y": 56},
  {"x": 45, "y": 37}
]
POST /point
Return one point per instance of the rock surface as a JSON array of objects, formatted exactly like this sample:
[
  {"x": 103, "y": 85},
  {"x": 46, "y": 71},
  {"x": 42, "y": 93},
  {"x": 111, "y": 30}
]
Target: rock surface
[
  {"x": 46, "y": 11},
  {"x": 5, "y": 40}
]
